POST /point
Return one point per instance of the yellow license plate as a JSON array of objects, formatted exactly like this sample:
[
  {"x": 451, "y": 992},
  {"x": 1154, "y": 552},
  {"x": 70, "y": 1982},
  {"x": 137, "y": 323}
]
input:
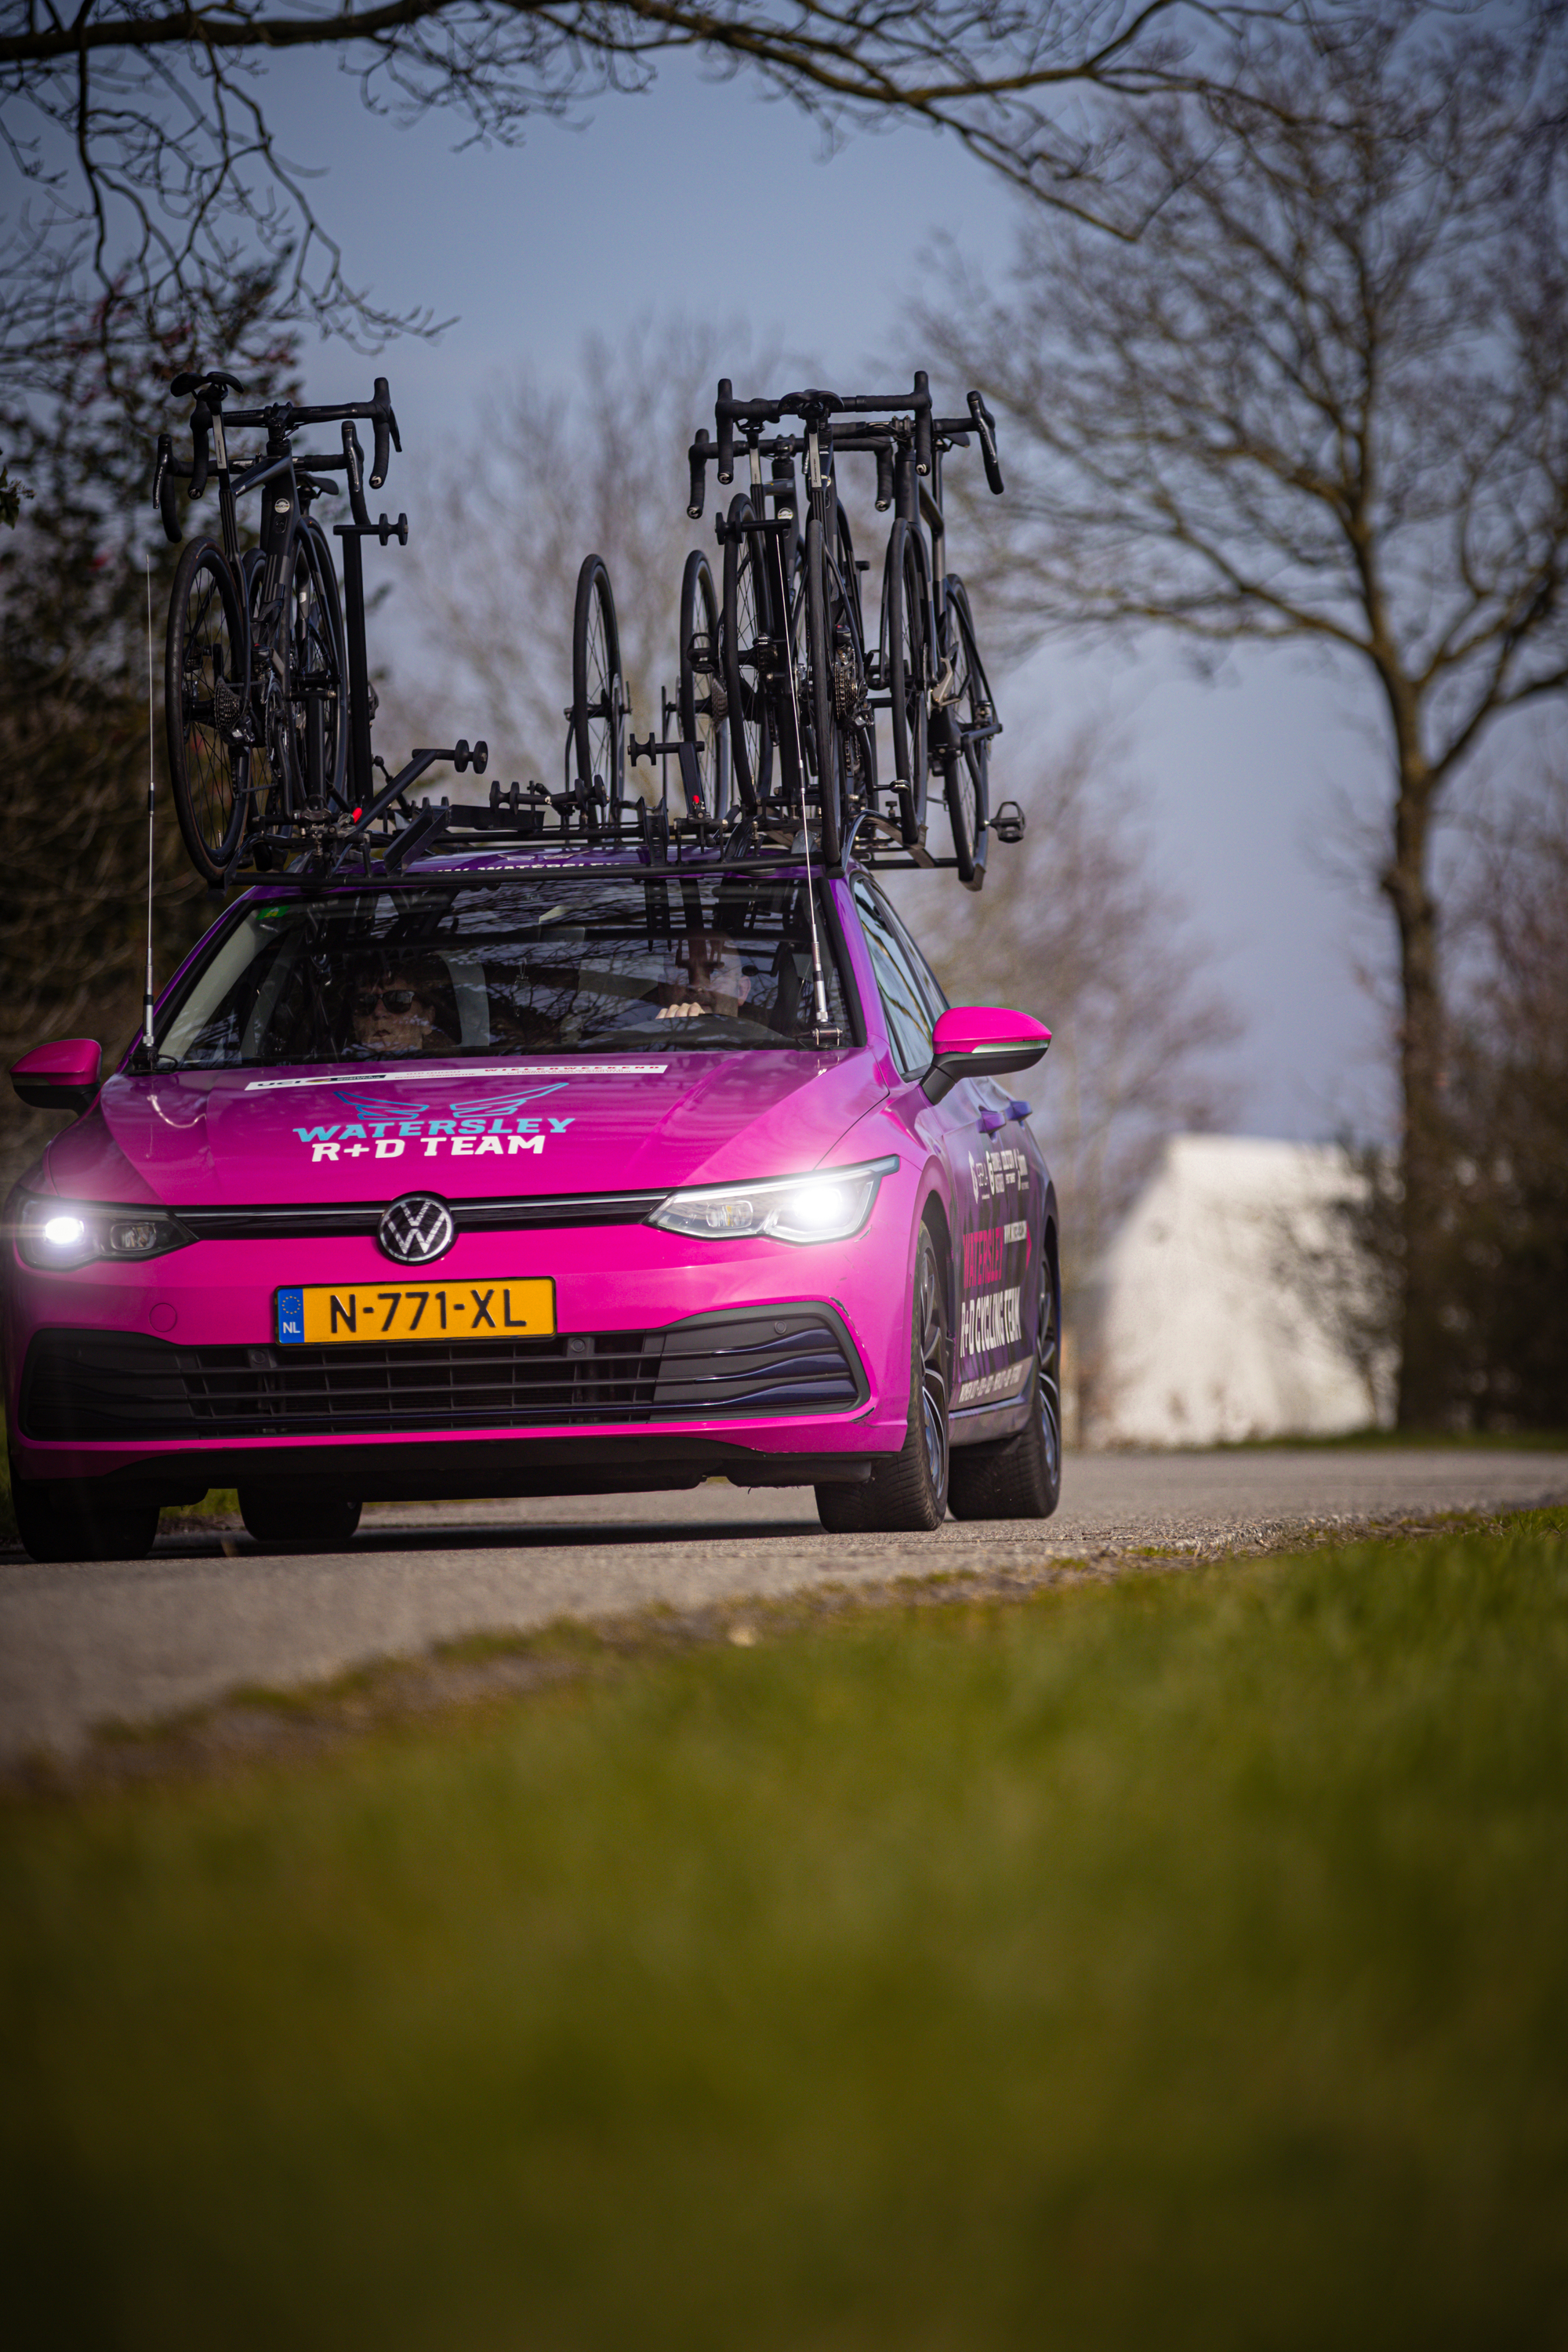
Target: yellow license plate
[{"x": 322, "y": 1314}]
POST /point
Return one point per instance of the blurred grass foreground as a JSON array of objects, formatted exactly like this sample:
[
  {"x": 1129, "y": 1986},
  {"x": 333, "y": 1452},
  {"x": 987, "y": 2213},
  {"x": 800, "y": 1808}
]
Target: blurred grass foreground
[{"x": 1184, "y": 1957}]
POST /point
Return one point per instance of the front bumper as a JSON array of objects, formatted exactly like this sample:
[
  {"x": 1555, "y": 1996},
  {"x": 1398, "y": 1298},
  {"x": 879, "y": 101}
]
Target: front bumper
[{"x": 670, "y": 1361}]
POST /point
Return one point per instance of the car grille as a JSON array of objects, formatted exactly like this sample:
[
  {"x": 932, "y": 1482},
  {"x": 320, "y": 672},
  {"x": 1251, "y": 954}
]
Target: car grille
[
  {"x": 82, "y": 1386},
  {"x": 319, "y": 1220}
]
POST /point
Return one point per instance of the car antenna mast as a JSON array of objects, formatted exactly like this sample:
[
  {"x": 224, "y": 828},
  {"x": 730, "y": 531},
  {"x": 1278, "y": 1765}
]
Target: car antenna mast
[{"x": 147, "y": 987}]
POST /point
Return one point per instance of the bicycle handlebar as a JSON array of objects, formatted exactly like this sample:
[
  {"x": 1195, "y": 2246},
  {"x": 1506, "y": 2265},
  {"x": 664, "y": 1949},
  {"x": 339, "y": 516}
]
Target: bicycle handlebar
[{"x": 816, "y": 406}]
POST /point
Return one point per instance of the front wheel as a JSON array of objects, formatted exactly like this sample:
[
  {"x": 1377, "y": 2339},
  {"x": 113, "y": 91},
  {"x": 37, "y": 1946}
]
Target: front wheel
[
  {"x": 820, "y": 638},
  {"x": 74, "y": 1519},
  {"x": 966, "y": 718},
  {"x": 907, "y": 1491},
  {"x": 703, "y": 705},
  {"x": 598, "y": 685},
  {"x": 297, "y": 1518},
  {"x": 207, "y": 693},
  {"x": 1020, "y": 1477},
  {"x": 744, "y": 652}
]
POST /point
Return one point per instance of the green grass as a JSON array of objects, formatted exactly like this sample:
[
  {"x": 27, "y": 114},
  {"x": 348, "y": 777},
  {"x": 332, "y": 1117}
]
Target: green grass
[{"x": 1182, "y": 1961}]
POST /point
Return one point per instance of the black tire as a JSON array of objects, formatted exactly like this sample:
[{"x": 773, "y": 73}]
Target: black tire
[
  {"x": 318, "y": 676},
  {"x": 703, "y": 703},
  {"x": 598, "y": 685},
  {"x": 907, "y": 1492},
  {"x": 745, "y": 621},
  {"x": 278, "y": 1513},
  {"x": 828, "y": 748},
  {"x": 905, "y": 668},
  {"x": 206, "y": 688},
  {"x": 968, "y": 758},
  {"x": 266, "y": 802},
  {"x": 72, "y": 1519},
  {"x": 1021, "y": 1476}
]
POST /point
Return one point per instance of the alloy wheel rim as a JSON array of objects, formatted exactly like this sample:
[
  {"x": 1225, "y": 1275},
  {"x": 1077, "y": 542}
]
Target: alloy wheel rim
[{"x": 933, "y": 1376}]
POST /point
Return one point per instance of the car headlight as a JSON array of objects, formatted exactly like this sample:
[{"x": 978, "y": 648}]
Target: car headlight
[
  {"x": 56, "y": 1235},
  {"x": 829, "y": 1206}
]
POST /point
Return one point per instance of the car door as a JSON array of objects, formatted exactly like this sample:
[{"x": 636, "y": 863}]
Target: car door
[{"x": 995, "y": 1187}]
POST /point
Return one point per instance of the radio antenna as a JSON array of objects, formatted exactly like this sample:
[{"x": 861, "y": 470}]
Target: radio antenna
[
  {"x": 147, "y": 990},
  {"x": 819, "y": 993}
]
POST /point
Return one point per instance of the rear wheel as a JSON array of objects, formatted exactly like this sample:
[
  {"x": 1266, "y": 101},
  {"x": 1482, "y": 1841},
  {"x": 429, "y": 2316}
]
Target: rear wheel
[
  {"x": 598, "y": 685},
  {"x": 276, "y": 1514},
  {"x": 703, "y": 705},
  {"x": 206, "y": 681},
  {"x": 745, "y": 627},
  {"x": 1021, "y": 1478},
  {"x": 74, "y": 1519},
  {"x": 904, "y": 670},
  {"x": 907, "y": 1491}
]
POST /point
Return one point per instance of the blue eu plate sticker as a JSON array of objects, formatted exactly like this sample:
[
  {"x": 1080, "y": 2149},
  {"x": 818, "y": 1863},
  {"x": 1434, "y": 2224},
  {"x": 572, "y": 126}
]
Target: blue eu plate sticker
[{"x": 291, "y": 1316}]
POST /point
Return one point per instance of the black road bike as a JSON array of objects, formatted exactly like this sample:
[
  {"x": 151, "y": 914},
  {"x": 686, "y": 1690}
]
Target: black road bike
[
  {"x": 256, "y": 680},
  {"x": 802, "y": 687}
]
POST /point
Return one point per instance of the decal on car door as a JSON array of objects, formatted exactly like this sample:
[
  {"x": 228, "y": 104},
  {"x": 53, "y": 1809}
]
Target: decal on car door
[{"x": 995, "y": 1295}]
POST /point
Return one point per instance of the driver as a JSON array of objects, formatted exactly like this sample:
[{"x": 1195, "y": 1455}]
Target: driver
[
  {"x": 398, "y": 1009},
  {"x": 716, "y": 981}
]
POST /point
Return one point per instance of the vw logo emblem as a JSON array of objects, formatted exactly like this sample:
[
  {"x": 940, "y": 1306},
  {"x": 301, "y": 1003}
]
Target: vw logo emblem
[{"x": 417, "y": 1229}]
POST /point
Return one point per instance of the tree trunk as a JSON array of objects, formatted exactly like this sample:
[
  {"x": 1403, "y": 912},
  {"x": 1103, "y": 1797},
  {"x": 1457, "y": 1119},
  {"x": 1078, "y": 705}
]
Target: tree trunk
[{"x": 1422, "y": 1160}]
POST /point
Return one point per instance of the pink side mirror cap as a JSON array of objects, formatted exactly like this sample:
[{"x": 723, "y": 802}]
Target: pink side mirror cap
[
  {"x": 982, "y": 1041},
  {"x": 62, "y": 1077}
]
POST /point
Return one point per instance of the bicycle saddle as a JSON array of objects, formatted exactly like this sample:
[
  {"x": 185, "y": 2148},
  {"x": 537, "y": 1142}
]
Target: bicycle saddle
[{"x": 214, "y": 381}]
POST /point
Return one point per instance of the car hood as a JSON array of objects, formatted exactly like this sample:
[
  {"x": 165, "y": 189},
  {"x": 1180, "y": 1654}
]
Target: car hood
[{"x": 200, "y": 1137}]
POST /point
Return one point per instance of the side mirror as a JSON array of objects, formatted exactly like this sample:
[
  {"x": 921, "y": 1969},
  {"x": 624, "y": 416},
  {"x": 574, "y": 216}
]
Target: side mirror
[
  {"x": 60, "y": 1077},
  {"x": 982, "y": 1041}
]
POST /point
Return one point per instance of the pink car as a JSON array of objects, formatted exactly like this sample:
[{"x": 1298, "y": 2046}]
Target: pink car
[{"x": 534, "y": 1174}]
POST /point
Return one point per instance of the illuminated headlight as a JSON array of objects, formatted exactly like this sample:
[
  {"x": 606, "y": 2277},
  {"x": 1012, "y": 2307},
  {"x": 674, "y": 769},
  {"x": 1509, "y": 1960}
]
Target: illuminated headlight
[
  {"x": 58, "y": 1234},
  {"x": 829, "y": 1206}
]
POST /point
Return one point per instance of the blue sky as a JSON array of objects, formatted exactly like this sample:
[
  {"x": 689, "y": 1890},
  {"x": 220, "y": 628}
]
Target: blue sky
[{"x": 707, "y": 199}]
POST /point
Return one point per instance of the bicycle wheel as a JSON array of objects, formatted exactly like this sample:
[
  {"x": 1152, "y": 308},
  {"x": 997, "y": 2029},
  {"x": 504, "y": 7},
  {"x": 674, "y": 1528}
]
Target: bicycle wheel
[
  {"x": 745, "y": 627},
  {"x": 318, "y": 673},
  {"x": 265, "y": 797},
  {"x": 598, "y": 685},
  {"x": 966, "y": 713},
  {"x": 905, "y": 603},
  {"x": 826, "y": 744},
  {"x": 206, "y": 681},
  {"x": 703, "y": 704}
]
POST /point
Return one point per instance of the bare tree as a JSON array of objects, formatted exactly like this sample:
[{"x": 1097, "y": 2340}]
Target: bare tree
[
  {"x": 1074, "y": 927},
  {"x": 1323, "y": 399},
  {"x": 155, "y": 162},
  {"x": 546, "y": 478},
  {"x": 75, "y": 722},
  {"x": 1504, "y": 1234}
]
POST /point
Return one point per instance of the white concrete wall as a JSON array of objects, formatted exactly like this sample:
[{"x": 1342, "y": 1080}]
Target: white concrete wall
[{"x": 1220, "y": 1311}]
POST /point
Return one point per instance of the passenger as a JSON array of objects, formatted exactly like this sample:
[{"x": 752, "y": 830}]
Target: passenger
[
  {"x": 398, "y": 1009},
  {"x": 717, "y": 984}
]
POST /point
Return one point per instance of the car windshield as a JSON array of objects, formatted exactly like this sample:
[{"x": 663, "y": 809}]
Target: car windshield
[{"x": 517, "y": 965}]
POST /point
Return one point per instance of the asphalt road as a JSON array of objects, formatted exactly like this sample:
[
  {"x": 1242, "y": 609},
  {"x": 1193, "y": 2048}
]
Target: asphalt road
[{"x": 135, "y": 1643}]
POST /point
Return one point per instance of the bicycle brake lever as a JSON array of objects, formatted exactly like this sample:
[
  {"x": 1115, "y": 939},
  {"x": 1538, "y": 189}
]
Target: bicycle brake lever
[
  {"x": 985, "y": 426},
  {"x": 164, "y": 490},
  {"x": 354, "y": 457}
]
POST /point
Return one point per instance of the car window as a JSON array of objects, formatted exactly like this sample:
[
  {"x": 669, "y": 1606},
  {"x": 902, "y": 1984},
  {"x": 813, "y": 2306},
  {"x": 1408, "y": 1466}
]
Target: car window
[
  {"x": 518, "y": 965},
  {"x": 932, "y": 993},
  {"x": 904, "y": 996}
]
